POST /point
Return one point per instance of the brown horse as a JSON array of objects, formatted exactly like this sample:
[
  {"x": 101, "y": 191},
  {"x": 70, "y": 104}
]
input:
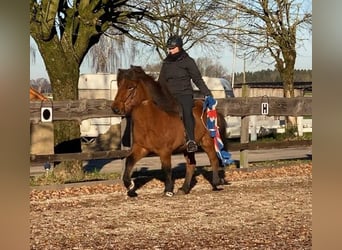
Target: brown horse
[{"x": 158, "y": 128}]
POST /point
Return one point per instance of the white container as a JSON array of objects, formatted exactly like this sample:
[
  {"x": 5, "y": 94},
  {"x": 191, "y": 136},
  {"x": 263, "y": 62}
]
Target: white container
[
  {"x": 219, "y": 87},
  {"x": 97, "y": 86}
]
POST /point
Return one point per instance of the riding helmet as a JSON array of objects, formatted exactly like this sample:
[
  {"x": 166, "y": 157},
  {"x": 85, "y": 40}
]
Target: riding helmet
[{"x": 174, "y": 41}]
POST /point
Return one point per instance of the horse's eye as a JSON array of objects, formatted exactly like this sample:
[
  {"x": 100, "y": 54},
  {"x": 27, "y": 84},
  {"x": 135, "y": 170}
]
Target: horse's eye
[{"x": 131, "y": 87}]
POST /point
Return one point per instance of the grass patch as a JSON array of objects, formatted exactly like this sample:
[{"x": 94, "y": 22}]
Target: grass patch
[
  {"x": 276, "y": 137},
  {"x": 290, "y": 134},
  {"x": 49, "y": 178},
  {"x": 279, "y": 163}
]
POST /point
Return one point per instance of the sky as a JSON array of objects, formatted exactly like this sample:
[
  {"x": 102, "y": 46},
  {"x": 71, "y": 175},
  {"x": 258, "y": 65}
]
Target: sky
[{"x": 304, "y": 61}]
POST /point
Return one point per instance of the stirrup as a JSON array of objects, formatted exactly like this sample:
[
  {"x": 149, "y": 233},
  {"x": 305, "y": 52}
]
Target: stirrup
[{"x": 191, "y": 146}]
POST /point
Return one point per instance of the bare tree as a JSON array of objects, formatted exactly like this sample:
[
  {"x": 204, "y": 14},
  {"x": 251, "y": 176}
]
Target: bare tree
[
  {"x": 64, "y": 31},
  {"x": 271, "y": 29},
  {"x": 211, "y": 68},
  {"x": 196, "y": 21},
  {"x": 112, "y": 52}
]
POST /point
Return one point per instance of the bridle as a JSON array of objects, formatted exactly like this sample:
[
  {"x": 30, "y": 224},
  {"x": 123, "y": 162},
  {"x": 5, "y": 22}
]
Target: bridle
[{"x": 131, "y": 95}]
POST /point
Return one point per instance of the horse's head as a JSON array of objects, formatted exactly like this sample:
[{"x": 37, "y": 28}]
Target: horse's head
[
  {"x": 131, "y": 90},
  {"x": 135, "y": 86}
]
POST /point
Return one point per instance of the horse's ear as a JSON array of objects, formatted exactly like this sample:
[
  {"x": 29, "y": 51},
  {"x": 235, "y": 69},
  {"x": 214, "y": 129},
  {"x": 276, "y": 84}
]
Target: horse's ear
[
  {"x": 118, "y": 75},
  {"x": 138, "y": 69}
]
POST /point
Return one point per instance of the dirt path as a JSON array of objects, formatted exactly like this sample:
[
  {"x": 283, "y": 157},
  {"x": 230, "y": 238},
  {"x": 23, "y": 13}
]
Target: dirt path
[{"x": 261, "y": 209}]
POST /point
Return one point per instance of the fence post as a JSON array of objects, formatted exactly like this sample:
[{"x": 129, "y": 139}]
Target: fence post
[
  {"x": 244, "y": 133},
  {"x": 300, "y": 125},
  {"x": 41, "y": 138},
  {"x": 252, "y": 120},
  {"x": 244, "y": 139}
]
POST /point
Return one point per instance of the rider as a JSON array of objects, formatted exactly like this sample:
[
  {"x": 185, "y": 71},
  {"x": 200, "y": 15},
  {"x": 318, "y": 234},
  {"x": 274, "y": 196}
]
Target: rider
[{"x": 177, "y": 71}]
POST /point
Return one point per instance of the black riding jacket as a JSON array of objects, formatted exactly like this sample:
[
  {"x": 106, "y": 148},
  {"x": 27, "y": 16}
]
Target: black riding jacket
[{"x": 176, "y": 72}]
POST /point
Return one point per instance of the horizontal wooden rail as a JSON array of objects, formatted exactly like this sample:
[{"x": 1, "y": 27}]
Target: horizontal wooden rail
[
  {"x": 277, "y": 106},
  {"x": 73, "y": 110},
  {"x": 111, "y": 154},
  {"x": 120, "y": 154},
  {"x": 268, "y": 145},
  {"x": 238, "y": 106}
]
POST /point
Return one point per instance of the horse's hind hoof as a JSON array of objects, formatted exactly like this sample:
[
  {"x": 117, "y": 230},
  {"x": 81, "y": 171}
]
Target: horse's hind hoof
[
  {"x": 223, "y": 182},
  {"x": 132, "y": 193},
  {"x": 168, "y": 194},
  {"x": 217, "y": 189},
  {"x": 182, "y": 192}
]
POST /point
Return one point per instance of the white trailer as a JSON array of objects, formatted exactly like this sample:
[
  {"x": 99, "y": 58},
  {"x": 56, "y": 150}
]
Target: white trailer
[
  {"x": 219, "y": 87},
  {"x": 97, "y": 86}
]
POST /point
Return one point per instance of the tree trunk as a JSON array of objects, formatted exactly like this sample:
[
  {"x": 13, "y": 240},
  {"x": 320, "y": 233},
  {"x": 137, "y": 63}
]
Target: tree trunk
[
  {"x": 291, "y": 121},
  {"x": 287, "y": 75},
  {"x": 64, "y": 32},
  {"x": 63, "y": 70}
]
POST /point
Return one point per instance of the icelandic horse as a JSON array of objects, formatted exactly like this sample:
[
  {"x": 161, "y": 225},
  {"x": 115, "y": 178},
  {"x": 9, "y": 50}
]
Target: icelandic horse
[{"x": 158, "y": 128}]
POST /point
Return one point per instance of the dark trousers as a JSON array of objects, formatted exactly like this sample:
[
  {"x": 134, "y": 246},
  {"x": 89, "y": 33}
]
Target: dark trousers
[{"x": 186, "y": 102}]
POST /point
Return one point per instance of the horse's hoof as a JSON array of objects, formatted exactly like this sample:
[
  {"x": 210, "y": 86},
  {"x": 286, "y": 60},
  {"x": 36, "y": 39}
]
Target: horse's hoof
[
  {"x": 132, "y": 193},
  {"x": 218, "y": 182},
  {"x": 182, "y": 192},
  {"x": 217, "y": 189},
  {"x": 168, "y": 194},
  {"x": 223, "y": 182}
]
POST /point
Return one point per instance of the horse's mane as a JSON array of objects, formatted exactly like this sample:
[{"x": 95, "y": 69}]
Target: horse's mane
[{"x": 159, "y": 93}]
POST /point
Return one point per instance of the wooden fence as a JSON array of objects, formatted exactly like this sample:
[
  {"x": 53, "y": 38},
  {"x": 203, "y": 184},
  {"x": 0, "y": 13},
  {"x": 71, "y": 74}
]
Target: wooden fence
[{"x": 99, "y": 108}]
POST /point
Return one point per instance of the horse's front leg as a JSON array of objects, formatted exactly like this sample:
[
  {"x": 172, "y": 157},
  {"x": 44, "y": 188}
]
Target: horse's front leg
[
  {"x": 190, "y": 169},
  {"x": 167, "y": 169},
  {"x": 136, "y": 154}
]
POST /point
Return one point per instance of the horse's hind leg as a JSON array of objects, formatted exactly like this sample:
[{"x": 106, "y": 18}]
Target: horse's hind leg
[
  {"x": 190, "y": 169},
  {"x": 208, "y": 146},
  {"x": 136, "y": 154},
  {"x": 166, "y": 167}
]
